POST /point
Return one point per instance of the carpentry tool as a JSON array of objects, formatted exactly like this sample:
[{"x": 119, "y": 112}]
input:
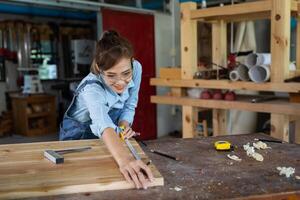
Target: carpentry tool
[
  {"x": 164, "y": 154},
  {"x": 56, "y": 157},
  {"x": 223, "y": 145},
  {"x": 262, "y": 99},
  {"x": 129, "y": 145}
]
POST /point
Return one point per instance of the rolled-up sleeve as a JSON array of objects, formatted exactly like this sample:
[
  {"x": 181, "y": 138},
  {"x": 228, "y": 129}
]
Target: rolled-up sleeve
[
  {"x": 95, "y": 100},
  {"x": 128, "y": 111}
]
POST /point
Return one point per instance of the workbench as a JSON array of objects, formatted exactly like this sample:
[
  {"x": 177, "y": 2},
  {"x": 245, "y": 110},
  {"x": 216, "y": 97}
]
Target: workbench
[{"x": 204, "y": 173}]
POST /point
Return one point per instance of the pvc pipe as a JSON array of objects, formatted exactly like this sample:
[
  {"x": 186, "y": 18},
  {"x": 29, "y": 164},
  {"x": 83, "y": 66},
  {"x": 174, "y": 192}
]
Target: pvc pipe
[
  {"x": 234, "y": 76},
  {"x": 242, "y": 71},
  {"x": 260, "y": 73},
  {"x": 254, "y": 59}
]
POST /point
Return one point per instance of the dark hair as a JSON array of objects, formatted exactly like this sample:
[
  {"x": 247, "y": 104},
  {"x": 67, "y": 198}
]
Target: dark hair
[{"x": 109, "y": 50}]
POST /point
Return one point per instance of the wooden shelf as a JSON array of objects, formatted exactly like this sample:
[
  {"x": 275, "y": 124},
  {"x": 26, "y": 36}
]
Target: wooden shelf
[
  {"x": 24, "y": 123},
  {"x": 227, "y": 84},
  {"x": 243, "y": 11},
  {"x": 278, "y": 106}
]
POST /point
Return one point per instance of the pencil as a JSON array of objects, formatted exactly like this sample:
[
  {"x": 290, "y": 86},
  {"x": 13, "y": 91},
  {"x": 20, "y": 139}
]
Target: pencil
[{"x": 164, "y": 154}]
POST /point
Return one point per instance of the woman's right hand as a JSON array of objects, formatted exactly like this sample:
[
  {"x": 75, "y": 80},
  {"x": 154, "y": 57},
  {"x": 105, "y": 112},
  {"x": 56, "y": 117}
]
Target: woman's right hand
[{"x": 137, "y": 173}]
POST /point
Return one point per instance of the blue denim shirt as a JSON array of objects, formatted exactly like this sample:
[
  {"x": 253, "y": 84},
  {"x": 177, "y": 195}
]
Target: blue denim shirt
[{"x": 104, "y": 107}]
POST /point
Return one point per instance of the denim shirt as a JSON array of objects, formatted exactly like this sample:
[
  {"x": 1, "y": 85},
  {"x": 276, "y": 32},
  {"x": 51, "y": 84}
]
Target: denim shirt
[{"x": 102, "y": 106}]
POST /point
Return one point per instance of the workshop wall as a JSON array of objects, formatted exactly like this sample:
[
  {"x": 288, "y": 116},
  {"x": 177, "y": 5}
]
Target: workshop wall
[{"x": 167, "y": 43}]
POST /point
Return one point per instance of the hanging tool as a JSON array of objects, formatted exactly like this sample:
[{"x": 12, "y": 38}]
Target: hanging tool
[
  {"x": 129, "y": 145},
  {"x": 56, "y": 156}
]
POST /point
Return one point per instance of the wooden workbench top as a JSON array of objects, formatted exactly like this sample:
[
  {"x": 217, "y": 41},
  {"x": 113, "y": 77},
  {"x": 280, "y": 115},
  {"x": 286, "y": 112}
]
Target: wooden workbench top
[
  {"x": 25, "y": 172},
  {"x": 203, "y": 173}
]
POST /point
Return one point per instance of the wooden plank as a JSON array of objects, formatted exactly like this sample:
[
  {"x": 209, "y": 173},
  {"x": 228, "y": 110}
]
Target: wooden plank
[
  {"x": 280, "y": 106},
  {"x": 189, "y": 60},
  {"x": 188, "y": 41},
  {"x": 239, "y": 12},
  {"x": 297, "y": 130},
  {"x": 219, "y": 43},
  {"x": 243, "y": 17},
  {"x": 280, "y": 127},
  {"x": 280, "y": 40},
  {"x": 227, "y": 84},
  {"x": 24, "y": 172},
  {"x": 188, "y": 117},
  {"x": 219, "y": 57},
  {"x": 170, "y": 72},
  {"x": 219, "y": 122},
  {"x": 298, "y": 43},
  {"x": 233, "y": 10}
]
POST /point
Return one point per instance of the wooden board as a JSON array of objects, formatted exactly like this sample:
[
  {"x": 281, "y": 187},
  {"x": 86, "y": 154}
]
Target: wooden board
[
  {"x": 227, "y": 84},
  {"x": 188, "y": 38},
  {"x": 278, "y": 106},
  {"x": 240, "y": 12},
  {"x": 24, "y": 172}
]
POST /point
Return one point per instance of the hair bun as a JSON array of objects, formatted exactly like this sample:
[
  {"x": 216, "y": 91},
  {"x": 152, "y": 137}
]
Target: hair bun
[{"x": 109, "y": 34}]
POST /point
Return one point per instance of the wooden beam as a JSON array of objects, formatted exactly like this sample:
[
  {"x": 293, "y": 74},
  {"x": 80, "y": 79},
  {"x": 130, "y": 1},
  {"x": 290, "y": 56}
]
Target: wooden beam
[
  {"x": 189, "y": 61},
  {"x": 279, "y": 106},
  {"x": 219, "y": 122},
  {"x": 188, "y": 29},
  {"x": 298, "y": 43},
  {"x": 297, "y": 130},
  {"x": 227, "y": 84},
  {"x": 233, "y": 10},
  {"x": 241, "y": 17},
  {"x": 219, "y": 57},
  {"x": 219, "y": 43},
  {"x": 280, "y": 127},
  {"x": 280, "y": 39}
]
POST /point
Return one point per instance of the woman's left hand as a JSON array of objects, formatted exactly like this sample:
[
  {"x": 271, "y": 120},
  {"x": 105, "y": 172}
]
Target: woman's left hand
[{"x": 129, "y": 133}]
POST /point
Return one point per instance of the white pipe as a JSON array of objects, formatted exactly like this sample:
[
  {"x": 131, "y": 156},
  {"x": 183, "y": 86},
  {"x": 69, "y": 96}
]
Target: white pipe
[
  {"x": 234, "y": 76},
  {"x": 254, "y": 59},
  {"x": 84, "y": 5},
  {"x": 240, "y": 73},
  {"x": 260, "y": 73}
]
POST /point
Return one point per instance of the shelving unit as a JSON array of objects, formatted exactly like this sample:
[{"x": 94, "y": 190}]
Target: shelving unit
[
  {"x": 282, "y": 111},
  {"x": 34, "y": 115}
]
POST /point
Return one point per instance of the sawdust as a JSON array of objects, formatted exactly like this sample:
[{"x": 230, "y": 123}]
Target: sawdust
[
  {"x": 251, "y": 152},
  {"x": 287, "y": 171},
  {"x": 176, "y": 188},
  {"x": 234, "y": 157},
  {"x": 261, "y": 145}
]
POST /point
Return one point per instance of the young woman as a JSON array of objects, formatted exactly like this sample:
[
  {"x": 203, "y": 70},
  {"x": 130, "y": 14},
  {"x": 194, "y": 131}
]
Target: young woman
[{"x": 105, "y": 100}]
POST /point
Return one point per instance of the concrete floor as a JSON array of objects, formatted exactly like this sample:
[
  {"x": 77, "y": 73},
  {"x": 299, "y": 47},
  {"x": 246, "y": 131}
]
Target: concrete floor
[{"x": 23, "y": 139}]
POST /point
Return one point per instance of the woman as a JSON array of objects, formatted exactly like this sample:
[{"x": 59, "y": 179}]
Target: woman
[{"x": 105, "y": 100}]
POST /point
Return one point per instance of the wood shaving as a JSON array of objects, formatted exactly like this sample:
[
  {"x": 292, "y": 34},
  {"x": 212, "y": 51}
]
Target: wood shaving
[
  {"x": 260, "y": 145},
  {"x": 251, "y": 152},
  {"x": 287, "y": 171},
  {"x": 176, "y": 188},
  {"x": 234, "y": 157}
]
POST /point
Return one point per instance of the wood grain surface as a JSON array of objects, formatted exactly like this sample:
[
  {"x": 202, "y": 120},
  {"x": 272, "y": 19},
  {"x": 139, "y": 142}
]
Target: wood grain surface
[{"x": 24, "y": 172}]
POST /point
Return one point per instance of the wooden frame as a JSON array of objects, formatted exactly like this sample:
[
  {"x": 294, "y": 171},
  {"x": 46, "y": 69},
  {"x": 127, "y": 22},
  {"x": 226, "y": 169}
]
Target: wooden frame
[{"x": 279, "y": 12}]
